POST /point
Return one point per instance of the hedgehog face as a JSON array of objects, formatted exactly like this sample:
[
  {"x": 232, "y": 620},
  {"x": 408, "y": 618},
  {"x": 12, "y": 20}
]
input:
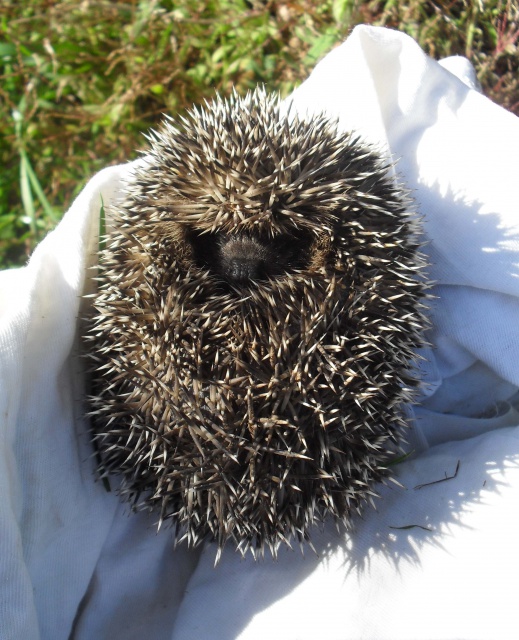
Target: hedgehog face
[
  {"x": 242, "y": 259},
  {"x": 258, "y": 310}
]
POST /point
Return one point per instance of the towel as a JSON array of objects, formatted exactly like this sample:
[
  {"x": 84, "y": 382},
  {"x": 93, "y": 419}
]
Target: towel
[{"x": 438, "y": 557}]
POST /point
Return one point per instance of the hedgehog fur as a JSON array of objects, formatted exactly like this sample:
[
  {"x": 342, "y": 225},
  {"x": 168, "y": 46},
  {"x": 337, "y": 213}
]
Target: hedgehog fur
[{"x": 259, "y": 305}]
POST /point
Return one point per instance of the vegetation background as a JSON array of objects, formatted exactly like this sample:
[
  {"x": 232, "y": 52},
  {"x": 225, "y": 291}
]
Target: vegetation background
[{"x": 81, "y": 80}]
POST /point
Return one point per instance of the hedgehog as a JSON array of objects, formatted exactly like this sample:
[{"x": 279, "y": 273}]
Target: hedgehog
[{"x": 253, "y": 338}]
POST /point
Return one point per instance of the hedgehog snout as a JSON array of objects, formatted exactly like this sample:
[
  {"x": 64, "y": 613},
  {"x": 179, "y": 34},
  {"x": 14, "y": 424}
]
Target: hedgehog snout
[{"x": 243, "y": 259}]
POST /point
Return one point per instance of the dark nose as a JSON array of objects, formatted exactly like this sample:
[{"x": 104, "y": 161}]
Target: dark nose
[
  {"x": 242, "y": 259},
  {"x": 244, "y": 268}
]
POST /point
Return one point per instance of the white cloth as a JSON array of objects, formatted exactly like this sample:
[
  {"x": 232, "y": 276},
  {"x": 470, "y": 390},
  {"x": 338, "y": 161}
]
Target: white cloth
[{"x": 440, "y": 561}]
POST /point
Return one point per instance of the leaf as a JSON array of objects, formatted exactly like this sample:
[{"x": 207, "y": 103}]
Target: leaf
[
  {"x": 102, "y": 226},
  {"x": 400, "y": 459},
  {"x": 157, "y": 89},
  {"x": 26, "y": 193},
  {"x": 321, "y": 46},
  {"x": 340, "y": 9},
  {"x": 36, "y": 186},
  {"x": 7, "y": 50}
]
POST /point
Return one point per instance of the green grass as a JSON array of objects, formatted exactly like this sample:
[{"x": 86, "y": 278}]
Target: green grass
[{"x": 81, "y": 81}]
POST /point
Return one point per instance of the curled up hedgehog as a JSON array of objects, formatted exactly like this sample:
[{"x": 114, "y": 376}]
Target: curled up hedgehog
[{"x": 259, "y": 306}]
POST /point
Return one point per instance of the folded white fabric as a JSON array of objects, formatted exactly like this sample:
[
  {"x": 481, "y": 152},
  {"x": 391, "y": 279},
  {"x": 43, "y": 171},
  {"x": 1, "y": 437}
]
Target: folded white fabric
[{"x": 435, "y": 561}]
